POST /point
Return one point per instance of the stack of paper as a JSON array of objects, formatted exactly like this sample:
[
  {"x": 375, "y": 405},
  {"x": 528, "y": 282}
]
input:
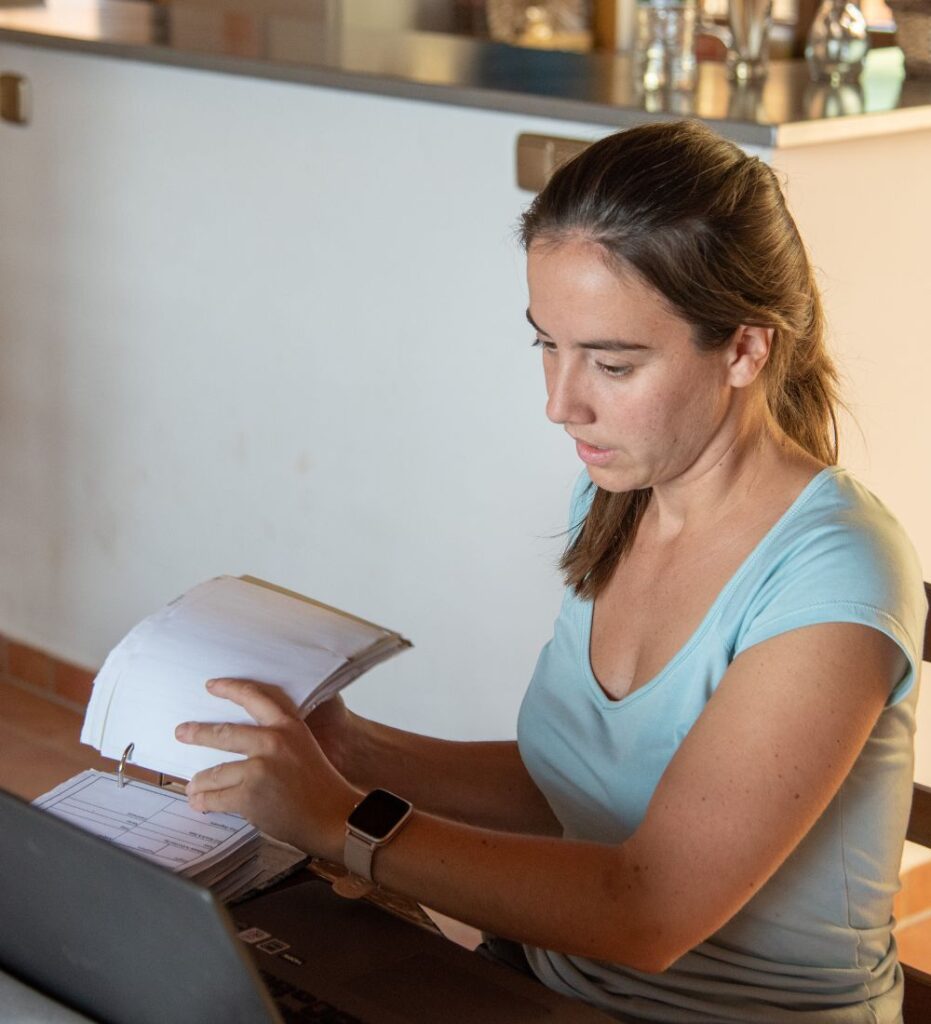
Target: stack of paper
[
  {"x": 235, "y": 627},
  {"x": 220, "y": 851}
]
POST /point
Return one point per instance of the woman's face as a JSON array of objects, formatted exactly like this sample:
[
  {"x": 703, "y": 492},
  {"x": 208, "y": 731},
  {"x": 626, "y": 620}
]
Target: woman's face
[{"x": 643, "y": 403}]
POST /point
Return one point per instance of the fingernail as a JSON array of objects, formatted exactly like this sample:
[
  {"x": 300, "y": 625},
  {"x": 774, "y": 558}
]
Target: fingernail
[
  {"x": 211, "y": 683},
  {"x": 182, "y": 730}
]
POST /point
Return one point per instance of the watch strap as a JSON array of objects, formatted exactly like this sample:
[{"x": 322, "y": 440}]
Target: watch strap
[{"x": 358, "y": 854}]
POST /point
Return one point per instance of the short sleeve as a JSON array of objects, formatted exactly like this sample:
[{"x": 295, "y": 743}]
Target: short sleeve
[{"x": 842, "y": 558}]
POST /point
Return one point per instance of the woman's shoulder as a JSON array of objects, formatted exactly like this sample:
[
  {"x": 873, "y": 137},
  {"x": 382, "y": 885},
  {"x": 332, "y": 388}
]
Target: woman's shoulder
[
  {"x": 841, "y": 521},
  {"x": 838, "y": 554}
]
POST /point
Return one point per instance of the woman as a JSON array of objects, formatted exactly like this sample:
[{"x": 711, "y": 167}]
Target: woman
[{"x": 703, "y": 814}]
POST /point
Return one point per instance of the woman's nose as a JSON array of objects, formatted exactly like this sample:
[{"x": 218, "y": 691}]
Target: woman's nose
[{"x": 565, "y": 402}]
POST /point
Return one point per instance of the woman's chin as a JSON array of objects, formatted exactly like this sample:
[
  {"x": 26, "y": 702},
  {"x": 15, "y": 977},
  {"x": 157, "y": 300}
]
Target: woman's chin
[{"x": 616, "y": 480}]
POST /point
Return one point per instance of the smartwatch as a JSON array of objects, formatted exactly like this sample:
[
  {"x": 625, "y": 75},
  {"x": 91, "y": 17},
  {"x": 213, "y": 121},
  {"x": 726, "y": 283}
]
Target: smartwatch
[{"x": 375, "y": 821}]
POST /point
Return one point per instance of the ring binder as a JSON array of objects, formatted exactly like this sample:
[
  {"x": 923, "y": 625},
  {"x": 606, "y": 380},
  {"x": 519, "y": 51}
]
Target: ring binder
[{"x": 121, "y": 767}]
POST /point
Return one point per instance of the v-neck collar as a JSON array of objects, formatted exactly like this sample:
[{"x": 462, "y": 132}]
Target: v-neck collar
[{"x": 608, "y": 703}]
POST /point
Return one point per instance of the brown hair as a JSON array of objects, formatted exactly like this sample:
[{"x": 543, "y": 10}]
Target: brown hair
[{"x": 708, "y": 228}]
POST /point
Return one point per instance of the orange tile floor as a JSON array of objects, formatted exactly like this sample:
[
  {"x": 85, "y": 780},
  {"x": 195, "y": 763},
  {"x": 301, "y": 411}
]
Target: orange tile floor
[{"x": 39, "y": 747}]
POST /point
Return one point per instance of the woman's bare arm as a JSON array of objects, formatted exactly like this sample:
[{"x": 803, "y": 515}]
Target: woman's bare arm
[
  {"x": 480, "y": 783},
  {"x": 726, "y": 813}
]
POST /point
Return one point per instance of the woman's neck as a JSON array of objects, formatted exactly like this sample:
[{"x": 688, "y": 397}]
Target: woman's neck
[{"x": 748, "y": 464}]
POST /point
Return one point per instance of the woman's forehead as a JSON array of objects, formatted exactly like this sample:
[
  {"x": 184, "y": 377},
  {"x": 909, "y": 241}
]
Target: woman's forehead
[{"x": 573, "y": 289}]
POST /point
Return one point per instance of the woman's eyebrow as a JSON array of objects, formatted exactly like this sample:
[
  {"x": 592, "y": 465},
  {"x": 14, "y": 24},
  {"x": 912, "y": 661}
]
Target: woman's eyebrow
[
  {"x": 614, "y": 345},
  {"x": 533, "y": 323}
]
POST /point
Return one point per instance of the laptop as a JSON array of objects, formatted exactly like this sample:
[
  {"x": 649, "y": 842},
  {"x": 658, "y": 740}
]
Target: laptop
[{"x": 124, "y": 941}]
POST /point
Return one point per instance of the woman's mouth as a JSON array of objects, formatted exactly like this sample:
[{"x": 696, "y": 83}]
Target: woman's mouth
[{"x": 591, "y": 454}]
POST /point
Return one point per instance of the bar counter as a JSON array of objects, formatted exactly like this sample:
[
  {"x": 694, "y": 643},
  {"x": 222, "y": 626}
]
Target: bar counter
[{"x": 597, "y": 89}]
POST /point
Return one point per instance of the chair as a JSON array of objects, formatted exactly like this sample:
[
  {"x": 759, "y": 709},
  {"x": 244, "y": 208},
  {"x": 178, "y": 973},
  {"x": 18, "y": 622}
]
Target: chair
[{"x": 917, "y": 1006}]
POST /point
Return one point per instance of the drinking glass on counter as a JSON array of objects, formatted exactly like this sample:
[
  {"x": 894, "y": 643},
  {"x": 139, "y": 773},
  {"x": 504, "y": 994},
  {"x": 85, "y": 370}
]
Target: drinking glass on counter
[
  {"x": 665, "y": 44},
  {"x": 837, "y": 42},
  {"x": 665, "y": 41},
  {"x": 749, "y": 22},
  {"x": 746, "y": 37}
]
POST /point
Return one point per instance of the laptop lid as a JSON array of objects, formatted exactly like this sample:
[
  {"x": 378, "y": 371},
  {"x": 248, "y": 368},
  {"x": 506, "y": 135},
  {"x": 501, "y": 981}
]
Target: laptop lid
[{"x": 113, "y": 935}]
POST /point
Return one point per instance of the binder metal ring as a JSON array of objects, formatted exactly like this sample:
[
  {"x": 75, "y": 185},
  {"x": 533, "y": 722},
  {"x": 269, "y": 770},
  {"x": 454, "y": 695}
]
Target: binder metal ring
[{"x": 121, "y": 768}]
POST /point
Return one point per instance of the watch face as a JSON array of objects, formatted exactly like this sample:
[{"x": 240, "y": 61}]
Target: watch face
[{"x": 378, "y": 814}]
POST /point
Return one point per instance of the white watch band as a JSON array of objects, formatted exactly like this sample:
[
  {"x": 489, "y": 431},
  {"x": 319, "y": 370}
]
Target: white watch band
[{"x": 358, "y": 854}]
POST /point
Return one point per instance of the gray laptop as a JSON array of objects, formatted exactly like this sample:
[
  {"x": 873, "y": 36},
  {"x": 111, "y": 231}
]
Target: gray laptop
[{"x": 123, "y": 941}]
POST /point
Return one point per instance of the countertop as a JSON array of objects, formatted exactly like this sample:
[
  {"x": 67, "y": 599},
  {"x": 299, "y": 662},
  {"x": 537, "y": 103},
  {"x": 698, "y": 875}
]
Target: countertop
[{"x": 313, "y": 43}]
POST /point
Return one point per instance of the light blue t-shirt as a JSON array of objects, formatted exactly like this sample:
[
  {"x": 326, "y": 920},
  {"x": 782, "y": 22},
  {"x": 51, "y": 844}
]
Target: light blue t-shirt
[{"x": 814, "y": 945}]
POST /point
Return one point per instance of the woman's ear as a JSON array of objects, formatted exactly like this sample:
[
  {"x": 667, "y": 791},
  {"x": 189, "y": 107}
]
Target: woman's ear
[{"x": 748, "y": 351}]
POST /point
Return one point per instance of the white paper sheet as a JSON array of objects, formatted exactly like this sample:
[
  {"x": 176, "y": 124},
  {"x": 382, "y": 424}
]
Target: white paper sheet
[
  {"x": 238, "y": 627},
  {"x": 154, "y": 822}
]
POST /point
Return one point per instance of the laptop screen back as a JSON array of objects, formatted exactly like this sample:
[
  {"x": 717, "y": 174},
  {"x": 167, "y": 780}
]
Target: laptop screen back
[{"x": 110, "y": 934}]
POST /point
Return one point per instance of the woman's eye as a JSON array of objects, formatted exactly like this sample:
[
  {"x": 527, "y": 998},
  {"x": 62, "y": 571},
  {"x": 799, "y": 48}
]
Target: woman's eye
[{"x": 614, "y": 371}]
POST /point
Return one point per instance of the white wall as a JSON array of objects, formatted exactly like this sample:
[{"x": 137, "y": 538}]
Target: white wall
[
  {"x": 255, "y": 327},
  {"x": 864, "y": 208}
]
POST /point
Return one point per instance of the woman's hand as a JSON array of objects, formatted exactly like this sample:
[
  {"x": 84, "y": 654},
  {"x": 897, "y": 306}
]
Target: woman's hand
[
  {"x": 331, "y": 725},
  {"x": 286, "y": 786}
]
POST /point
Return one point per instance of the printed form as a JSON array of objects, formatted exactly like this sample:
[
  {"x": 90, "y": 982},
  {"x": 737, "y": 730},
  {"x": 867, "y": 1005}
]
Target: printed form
[{"x": 151, "y": 821}]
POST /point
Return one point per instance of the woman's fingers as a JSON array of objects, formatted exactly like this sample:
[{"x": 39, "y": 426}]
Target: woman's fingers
[
  {"x": 268, "y": 705},
  {"x": 238, "y": 739},
  {"x": 220, "y": 800},
  {"x": 220, "y": 776}
]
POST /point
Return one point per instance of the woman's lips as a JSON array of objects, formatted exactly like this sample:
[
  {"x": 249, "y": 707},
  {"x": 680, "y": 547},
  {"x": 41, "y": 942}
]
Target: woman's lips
[{"x": 591, "y": 455}]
